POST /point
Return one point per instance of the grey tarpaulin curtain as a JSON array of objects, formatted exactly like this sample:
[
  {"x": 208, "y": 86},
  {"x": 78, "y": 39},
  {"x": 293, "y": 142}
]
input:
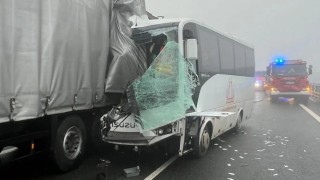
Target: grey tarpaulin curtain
[
  {"x": 52, "y": 56},
  {"x": 128, "y": 60}
]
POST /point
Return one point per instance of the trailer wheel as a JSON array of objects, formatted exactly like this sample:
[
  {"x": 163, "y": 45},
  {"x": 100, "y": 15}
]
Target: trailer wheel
[
  {"x": 69, "y": 143},
  {"x": 204, "y": 144}
]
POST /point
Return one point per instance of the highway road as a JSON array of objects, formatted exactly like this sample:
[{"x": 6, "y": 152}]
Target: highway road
[{"x": 280, "y": 141}]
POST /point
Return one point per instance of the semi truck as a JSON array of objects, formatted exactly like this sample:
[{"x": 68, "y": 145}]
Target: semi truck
[
  {"x": 289, "y": 78},
  {"x": 55, "y": 57}
]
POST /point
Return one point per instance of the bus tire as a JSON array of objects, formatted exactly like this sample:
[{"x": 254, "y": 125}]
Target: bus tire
[
  {"x": 237, "y": 127},
  {"x": 69, "y": 143},
  {"x": 203, "y": 144}
]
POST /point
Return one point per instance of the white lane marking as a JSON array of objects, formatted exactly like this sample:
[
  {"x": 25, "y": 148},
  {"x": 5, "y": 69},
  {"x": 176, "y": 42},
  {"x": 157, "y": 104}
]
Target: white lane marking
[
  {"x": 314, "y": 115},
  {"x": 161, "y": 168},
  {"x": 9, "y": 150}
]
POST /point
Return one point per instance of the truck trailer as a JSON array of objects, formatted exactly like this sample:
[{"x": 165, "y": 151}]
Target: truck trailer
[{"x": 54, "y": 60}]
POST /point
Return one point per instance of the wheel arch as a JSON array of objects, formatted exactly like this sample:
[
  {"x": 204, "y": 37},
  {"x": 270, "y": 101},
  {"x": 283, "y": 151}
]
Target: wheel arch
[
  {"x": 240, "y": 113},
  {"x": 205, "y": 122}
]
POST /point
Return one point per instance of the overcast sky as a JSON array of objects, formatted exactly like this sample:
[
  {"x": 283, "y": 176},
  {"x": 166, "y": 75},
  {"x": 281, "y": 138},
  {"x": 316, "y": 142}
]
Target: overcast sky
[{"x": 288, "y": 28}]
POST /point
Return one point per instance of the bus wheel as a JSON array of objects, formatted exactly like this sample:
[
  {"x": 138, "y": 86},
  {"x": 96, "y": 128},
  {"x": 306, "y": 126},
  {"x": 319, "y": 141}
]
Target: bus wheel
[
  {"x": 69, "y": 143},
  {"x": 237, "y": 128},
  {"x": 204, "y": 144}
]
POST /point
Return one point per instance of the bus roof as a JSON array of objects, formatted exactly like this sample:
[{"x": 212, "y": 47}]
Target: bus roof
[{"x": 182, "y": 21}]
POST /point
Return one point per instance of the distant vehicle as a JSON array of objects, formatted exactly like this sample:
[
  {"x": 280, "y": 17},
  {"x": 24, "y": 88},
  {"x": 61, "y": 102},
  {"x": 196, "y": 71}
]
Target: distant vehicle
[
  {"x": 260, "y": 80},
  {"x": 222, "y": 98},
  {"x": 289, "y": 78}
]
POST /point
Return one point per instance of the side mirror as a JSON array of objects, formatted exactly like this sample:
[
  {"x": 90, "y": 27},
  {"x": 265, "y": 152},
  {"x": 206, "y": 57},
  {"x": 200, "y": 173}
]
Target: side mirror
[
  {"x": 191, "y": 49},
  {"x": 310, "y": 69}
]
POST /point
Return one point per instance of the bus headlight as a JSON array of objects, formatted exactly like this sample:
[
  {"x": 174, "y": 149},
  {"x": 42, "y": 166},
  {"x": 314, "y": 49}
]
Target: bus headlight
[
  {"x": 160, "y": 131},
  {"x": 164, "y": 130}
]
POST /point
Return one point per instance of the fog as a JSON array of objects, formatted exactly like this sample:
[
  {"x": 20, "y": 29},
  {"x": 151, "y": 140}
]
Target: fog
[{"x": 286, "y": 28}]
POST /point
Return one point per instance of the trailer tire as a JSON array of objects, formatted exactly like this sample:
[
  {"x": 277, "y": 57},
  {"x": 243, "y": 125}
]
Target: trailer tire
[
  {"x": 69, "y": 143},
  {"x": 204, "y": 144}
]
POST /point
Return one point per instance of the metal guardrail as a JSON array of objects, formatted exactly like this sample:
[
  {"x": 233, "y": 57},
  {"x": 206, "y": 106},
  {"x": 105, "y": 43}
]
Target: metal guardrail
[{"x": 315, "y": 90}]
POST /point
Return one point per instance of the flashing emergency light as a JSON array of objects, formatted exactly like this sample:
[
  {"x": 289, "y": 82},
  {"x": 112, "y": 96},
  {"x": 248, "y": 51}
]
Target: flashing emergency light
[{"x": 279, "y": 61}]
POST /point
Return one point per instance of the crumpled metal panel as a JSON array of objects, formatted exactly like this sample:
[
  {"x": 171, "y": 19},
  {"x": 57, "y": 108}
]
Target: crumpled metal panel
[
  {"x": 53, "y": 56},
  {"x": 128, "y": 59}
]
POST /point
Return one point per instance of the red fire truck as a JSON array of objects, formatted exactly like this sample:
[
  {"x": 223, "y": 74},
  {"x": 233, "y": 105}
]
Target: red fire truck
[{"x": 289, "y": 78}]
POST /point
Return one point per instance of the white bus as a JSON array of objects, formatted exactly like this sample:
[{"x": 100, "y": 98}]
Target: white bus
[{"x": 222, "y": 96}]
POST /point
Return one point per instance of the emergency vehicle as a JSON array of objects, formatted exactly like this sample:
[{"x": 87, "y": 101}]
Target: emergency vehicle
[{"x": 289, "y": 78}]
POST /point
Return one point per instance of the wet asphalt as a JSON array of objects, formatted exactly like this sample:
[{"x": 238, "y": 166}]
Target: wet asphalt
[{"x": 280, "y": 141}]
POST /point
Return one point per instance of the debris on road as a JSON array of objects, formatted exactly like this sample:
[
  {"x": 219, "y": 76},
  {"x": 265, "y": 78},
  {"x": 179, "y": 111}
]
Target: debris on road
[
  {"x": 232, "y": 159},
  {"x": 241, "y": 157},
  {"x": 261, "y": 150},
  {"x": 229, "y": 165},
  {"x": 275, "y": 174},
  {"x": 232, "y": 174},
  {"x": 269, "y": 169},
  {"x": 103, "y": 163},
  {"x": 243, "y": 165},
  {"x": 131, "y": 172}
]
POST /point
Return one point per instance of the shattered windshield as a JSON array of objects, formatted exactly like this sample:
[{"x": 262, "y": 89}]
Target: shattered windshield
[
  {"x": 290, "y": 70},
  {"x": 155, "y": 40},
  {"x": 163, "y": 93}
]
